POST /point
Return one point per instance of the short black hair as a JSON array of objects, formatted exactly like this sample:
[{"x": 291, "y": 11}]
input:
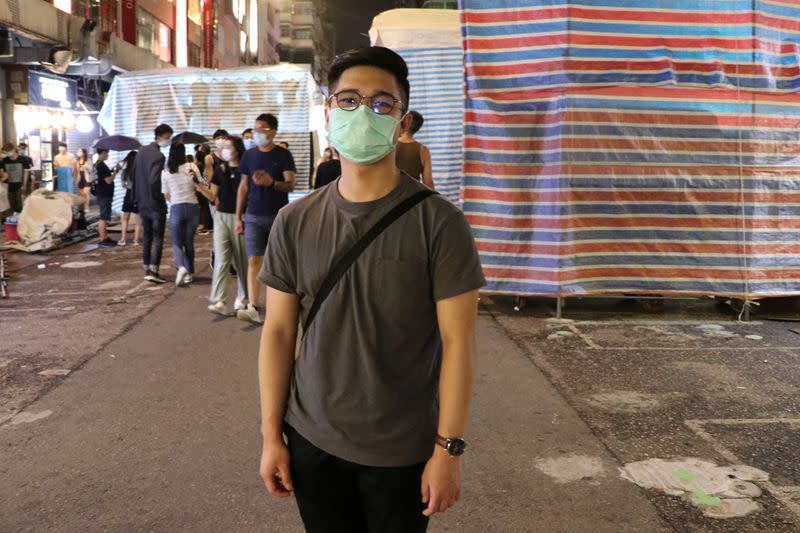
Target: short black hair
[
  {"x": 163, "y": 129},
  {"x": 62, "y": 144},
  {"x": 248, "y": 130},
  {"x": 372, "y": 56},
  {"x": 417, "y": 120},
  {"x": 100, "y": 151},
  {"x": 221, "y": 133},
  {"x": 270, "y": 119},
  {"x": 238, "y": 145},
  {"x": 286, "y": 145}
]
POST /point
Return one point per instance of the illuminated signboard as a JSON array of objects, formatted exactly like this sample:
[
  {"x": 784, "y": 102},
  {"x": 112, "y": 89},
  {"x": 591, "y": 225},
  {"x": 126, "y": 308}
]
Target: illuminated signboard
[{"x": 51, "y": 91}]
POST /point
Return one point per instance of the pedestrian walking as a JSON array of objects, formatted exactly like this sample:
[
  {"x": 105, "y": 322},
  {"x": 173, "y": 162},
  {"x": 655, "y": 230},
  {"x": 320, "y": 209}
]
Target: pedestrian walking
[
  {"x": 268, "y": 176},
  {"x": 228, "y": 244},
  {"x": 66, "y": 167},
  {"x": 329, "y": 170},
  {"x": 413, "y": 157},
  {"x": 85, "y": 175},
  {"x": 212, "y": 162},
  {"x": 129, "y": 208},
  {"x": 179, "y": 182},
  {"x": 148, "y": 165},
  {"x": 103, "y": 188},
  {"x": 384, "y": 274},
  {"x": 15, "y": 170}
]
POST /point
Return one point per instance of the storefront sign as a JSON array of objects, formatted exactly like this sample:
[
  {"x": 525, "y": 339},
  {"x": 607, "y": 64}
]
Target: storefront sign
[
  {"x": 51, "y": 91},
  {"x": 128, "y": 18},
  {"x": 208, "y": 34}
]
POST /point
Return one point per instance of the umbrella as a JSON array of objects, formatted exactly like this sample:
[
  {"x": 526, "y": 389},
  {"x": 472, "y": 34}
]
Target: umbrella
[
  {"x": 189, "y": 137},
  {"x": 117, "y": 142}
]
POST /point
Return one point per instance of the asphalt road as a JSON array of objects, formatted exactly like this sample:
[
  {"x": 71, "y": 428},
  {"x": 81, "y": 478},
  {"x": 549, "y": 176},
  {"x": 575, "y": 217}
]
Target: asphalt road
[{"x": 158, "y": 431}]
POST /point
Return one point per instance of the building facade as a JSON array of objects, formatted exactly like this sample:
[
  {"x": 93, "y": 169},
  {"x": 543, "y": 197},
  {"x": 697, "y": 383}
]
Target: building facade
[
  {"x": 296, "y": 27},
  {"x": 59, "y": 57}
]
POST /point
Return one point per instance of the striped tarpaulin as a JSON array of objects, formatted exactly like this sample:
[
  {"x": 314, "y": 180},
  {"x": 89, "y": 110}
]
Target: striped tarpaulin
[
  {"x": 622, "y": 146},
  {"x": 437, "y": 91},
  {"x": 203, "y": 100}
]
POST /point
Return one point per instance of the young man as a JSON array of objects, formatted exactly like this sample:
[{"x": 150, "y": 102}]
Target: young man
[
  {"x": 375, "y": 407},
  {"x": 66, "y": 168},
  {"x": 28, "y": 184},
  {"x": 152, "y": 206},
  {"x": 247, "y": 139},
  {"x": 210, "y": 165},
  {"x": 15, "y": 170},
  {"x": 268, "y": 176},
  {"x": 104, "y": 192},
  {"x": 414, "y": 158}
]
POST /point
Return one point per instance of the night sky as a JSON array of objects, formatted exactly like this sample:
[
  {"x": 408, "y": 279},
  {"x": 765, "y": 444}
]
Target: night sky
[{"x": 353, "y": 18}]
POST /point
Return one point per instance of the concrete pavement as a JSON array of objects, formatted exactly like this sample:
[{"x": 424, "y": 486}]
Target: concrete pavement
[{"x": 159, "y": 432}]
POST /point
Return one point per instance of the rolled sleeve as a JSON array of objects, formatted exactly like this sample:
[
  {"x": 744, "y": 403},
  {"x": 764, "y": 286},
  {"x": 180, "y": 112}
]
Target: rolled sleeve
[
  {"x": 456, "y": 266},
  {"x": 279, "y": 270}
]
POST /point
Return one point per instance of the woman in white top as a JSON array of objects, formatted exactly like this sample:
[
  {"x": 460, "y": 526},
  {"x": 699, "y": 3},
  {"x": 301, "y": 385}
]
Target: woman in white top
[{"x": 179, "y": 185}]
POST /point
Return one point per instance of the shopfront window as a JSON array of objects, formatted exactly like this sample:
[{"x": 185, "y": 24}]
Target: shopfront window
[
  {"x": 153, "y": 35},
  {"x": 302, "y": 34},
  {"x": 194, "y": 11}
]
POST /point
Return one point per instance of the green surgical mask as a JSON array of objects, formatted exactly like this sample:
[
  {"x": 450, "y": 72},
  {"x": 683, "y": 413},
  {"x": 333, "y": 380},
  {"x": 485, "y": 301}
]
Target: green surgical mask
[{"x": 362, "y": 136}]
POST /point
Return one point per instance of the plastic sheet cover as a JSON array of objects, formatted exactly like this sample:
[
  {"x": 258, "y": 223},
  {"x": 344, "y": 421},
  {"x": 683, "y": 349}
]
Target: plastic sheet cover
[
  {"x": 429, "y": 41},
  {"x": 622, "y": 146},
  {"x": 204, "y": 100}
]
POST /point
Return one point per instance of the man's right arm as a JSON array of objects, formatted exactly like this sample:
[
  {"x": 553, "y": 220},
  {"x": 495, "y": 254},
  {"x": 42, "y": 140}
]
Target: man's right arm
[
  {"x": 241, "y": 202},
  {"x": 275, "y": 363}
]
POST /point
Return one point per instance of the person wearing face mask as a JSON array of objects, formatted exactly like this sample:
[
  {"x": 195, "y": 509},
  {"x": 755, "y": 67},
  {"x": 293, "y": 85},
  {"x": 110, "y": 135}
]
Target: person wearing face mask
[
  {"x": 15, "y": 171},
  {"x": 329, "y": 170},
  {"x": 28, "y": 184},
  {"x": 66, "y": 168},
  {"x": 228, "y": 245},
  {"x": 180, "y": 183},
  {"x": 211, "y": 163},
  {"x": 376, "y": 405},
  {"x": 413, "y": 157},
  {"x": 268, "y": 176},
  {"x": 150, "y": 200},
  {"x": 247, "y": 139}
]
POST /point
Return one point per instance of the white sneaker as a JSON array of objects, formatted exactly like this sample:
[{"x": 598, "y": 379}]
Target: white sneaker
[
  {"x": 239, "y": 304},
  {"x": 250, "y": 314},
  {"x": 188, "y": 279},
  {"x": 181, "y": 276},
  {"x": 121, "y": 242},
  {"x": 218, "y": 308}
]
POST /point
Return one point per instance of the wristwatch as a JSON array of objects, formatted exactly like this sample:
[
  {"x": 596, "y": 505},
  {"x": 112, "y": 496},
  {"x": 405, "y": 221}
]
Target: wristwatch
[{"x": 454, "y": 447}]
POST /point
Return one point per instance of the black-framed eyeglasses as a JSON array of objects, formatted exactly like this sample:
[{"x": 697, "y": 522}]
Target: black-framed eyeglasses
[{"x": 381, "y": 103}]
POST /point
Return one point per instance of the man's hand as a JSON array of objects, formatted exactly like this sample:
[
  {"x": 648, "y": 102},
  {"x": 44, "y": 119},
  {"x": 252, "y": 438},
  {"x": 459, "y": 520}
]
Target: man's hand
[
  {"x": 239, "y": 227},
  {"x": 262, "y": 177},
  {"x": 275, "y": 469},
  {"x": 441, "y": 482}
]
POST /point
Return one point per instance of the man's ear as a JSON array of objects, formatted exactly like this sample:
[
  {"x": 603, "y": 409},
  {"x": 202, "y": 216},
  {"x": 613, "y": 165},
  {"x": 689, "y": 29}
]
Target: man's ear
[{"x": 405, "y": 123}]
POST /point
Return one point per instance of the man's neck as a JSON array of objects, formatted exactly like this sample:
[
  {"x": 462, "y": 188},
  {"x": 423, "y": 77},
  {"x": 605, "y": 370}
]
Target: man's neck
[
  {"x": 406, "y": 138},
  {"x": 366, "y": 183},
  {"x": 267, "y": 148}
]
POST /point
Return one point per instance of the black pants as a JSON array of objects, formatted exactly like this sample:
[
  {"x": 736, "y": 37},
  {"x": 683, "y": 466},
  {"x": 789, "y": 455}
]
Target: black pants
[
  {"x": 15, "y": 196},
  {"x": 206, "y": 220},
  {"x": 337, "y": 496},
  {"x": 153, "y": 224}
]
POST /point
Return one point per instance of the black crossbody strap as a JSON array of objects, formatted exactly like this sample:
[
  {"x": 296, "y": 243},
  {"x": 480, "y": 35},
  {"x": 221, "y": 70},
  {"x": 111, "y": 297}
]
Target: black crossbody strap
[{"x": 358, "y": 248}]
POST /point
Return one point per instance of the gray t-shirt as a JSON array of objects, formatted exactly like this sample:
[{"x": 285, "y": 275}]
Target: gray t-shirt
[{"x": 365, "y": 385}]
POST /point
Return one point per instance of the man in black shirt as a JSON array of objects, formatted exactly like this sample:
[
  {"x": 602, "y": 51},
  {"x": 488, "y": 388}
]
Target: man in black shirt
[
  {"x": 104, "y": 191},
  {"x": 27, "y": 164},
  {"x": 328, "y": 171},
  {"x": 15, "y": 170},
  {"x": 148, "y": 165}
]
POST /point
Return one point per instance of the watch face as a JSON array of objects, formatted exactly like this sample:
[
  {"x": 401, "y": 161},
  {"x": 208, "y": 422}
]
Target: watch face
[{"x": 456, "y": 447}]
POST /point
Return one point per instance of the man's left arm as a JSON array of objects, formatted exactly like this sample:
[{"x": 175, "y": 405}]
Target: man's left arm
[
  {"x": 288, "y": 183},
  {"x": 441, "y": 480}
]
